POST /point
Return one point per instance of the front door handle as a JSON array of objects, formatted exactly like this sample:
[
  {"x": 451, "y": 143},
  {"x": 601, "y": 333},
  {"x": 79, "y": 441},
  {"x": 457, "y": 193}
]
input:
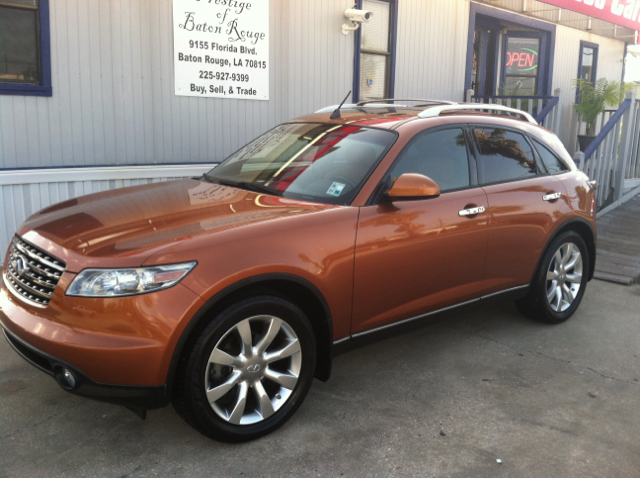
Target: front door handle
[
  {"x": 552, "y": 196},
  {"x": 471, "y": 211}
]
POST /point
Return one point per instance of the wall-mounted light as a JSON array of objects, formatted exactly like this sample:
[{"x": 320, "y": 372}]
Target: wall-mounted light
[{"x": 356, "y": 17}]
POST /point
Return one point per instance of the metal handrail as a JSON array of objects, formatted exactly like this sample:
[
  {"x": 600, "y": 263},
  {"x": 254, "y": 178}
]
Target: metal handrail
[
  {"x": 437, "y": 110},
  {"x": 606, "y": 129}
]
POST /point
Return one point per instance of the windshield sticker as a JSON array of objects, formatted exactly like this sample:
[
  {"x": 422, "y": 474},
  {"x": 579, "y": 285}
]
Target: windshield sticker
[{"x": 336, "y": 189}]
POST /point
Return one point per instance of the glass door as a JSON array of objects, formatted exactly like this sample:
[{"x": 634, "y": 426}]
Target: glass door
[{"x": 523, "y": 64}]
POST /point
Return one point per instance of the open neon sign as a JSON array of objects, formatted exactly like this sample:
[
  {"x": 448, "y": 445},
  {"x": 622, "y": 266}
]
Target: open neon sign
[{"x": 525, "y": 60}]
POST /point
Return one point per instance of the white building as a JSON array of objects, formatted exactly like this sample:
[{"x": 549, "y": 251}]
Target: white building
[{"x": 88, "y": 87}]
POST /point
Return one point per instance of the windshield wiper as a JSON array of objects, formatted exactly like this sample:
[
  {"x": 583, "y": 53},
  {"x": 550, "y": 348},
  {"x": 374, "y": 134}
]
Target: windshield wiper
[{"x": 246, "y": 185}]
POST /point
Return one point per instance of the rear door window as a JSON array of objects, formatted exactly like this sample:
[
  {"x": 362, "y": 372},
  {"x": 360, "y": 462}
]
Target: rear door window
[
  {"x": 441, "y": 155},
  {"x": 505, "y": 155}
]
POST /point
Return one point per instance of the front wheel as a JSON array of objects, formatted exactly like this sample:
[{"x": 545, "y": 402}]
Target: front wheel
[
  {"x": 560, "y": 282},
  {"x": 248, "y": 371}
]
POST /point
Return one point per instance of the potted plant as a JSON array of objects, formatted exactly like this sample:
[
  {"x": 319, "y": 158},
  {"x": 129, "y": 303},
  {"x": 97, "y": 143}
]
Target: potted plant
[{"x": 595, "y": 99}]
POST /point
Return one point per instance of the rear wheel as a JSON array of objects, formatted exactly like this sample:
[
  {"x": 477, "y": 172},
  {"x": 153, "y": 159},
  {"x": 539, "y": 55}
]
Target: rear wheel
[
  {"x": 559, "y": 284},
  {"x": 248, "y": 371}
]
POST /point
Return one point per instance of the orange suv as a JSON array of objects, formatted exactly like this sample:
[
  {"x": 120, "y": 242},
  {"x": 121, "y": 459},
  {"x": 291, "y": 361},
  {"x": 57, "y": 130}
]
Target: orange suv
[{"x": 226, "y": 294}]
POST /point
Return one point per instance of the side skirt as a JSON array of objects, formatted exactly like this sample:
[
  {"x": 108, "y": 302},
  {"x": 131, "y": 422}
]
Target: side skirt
[{"x": 379, "y": 333}]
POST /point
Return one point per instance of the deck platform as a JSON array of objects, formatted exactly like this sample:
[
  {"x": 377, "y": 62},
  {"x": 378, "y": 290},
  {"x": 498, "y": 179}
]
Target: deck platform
[{"x": 618, "y": 248}]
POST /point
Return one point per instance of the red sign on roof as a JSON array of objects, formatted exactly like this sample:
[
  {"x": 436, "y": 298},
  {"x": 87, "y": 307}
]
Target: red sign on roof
[{"x": 625, "y": 13}]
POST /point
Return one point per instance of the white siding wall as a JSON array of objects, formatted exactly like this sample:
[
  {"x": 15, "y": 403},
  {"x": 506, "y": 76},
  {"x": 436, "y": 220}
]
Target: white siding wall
[
  {"x": 432, "y": 49},
  {"x": 565, "y": 69},
  {"x": 113, "y": 87}
]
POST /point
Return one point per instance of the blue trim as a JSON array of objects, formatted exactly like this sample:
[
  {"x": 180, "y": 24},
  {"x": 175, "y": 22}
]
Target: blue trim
[
  {"x": 64, "y": 167},
  {"x": 606, "y": 129},
  {"x": 596, "y": 49},
  {"x": 477, "y": 9},
  {"x": 393, "y": 40},
  {"x": 44, "y": 88},
  {"x": 546, "y": 110}
]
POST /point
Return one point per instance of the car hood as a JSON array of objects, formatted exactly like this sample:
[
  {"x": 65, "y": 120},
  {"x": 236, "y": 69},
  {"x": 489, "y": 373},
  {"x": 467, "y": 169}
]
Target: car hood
[{"x": 121, "y": 228}]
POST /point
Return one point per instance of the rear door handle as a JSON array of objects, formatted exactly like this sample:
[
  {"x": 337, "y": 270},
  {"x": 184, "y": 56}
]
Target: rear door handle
[
  {"x": 471, "y": 211},
  {"x": 552, "y": 196}
]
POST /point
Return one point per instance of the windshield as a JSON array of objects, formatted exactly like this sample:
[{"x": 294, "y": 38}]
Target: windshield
[{"x": 326, "y": 163}]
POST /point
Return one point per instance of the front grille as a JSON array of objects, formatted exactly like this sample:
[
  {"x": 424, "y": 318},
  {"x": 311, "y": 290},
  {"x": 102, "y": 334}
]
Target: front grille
[{"x": 32, "y": 273}]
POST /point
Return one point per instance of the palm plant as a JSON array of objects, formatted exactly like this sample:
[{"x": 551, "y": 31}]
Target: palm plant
[{"x": 595, "y": 99}]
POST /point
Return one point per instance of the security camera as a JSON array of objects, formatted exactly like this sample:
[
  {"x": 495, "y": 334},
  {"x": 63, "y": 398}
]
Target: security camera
[{"x": 358, "y": 16}]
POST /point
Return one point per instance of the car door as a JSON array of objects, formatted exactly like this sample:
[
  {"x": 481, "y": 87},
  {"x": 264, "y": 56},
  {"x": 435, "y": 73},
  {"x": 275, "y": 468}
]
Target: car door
[
  {"x": 418, "y": 256},
  {"x": 524, "y": 204}
]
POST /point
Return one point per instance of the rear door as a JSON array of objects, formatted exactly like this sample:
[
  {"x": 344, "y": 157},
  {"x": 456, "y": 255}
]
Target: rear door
[
  {"x": 418, "y": 256},
  {"x": 524, "y": 204}
]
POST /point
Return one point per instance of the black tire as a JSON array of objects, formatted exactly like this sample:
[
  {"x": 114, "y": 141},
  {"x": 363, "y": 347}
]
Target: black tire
[
  {"x": 189, "y": 396},
  {"x": 536, "y": 305}
]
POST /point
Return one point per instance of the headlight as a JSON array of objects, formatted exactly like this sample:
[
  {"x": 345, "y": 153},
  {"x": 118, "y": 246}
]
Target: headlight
[{"x": 97, "y": 283}]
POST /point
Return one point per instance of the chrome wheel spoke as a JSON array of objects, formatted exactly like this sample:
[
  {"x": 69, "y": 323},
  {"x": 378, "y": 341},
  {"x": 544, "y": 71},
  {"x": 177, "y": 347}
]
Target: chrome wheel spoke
[
  {"x": 558, "y": 298},
  {"x": 272, "y": 332},
  {"x": 574, "y": 278},
  {"x": 218, "y": 356},
  {"x": 244, "y": 330},
  {"x": 241, "y": 401},
  {"x": 551, "y": 275},
  {"x": 265, "y": 408},
  {"x": 574, "y": 262},
  {"x": 285, "y": 380},
  {"x": 290, "y": 349},
  {"x": 216, "y": 393},
  {"x": 568, "y": 293},
  {"x": 558, "y": 258},
  {"x": 567, "y": 255},
  {"x": 551, "y": 293}
]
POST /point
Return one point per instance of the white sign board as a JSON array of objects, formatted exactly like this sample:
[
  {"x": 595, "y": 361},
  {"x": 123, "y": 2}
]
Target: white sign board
[{"x": 221, "y": 48}]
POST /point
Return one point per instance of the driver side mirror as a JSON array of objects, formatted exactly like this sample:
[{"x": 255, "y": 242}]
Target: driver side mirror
[{"x": 412, "y": 186}]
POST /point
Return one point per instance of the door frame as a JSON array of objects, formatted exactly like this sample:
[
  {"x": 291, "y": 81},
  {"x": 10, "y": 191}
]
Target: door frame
[
  {"x": 475, "y": 9},
  {"x": 542, "y": 57}
]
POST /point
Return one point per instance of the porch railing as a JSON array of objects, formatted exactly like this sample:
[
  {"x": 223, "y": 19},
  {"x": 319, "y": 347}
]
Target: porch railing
[
  {"x": 613, "y": 158},
  {"x": 542, "y": 108}
]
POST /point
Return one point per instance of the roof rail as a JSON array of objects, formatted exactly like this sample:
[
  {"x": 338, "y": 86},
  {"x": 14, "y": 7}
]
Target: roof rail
[
  {"x": 381, "y": 103},
  {"x": 425, "y": 102},
  {"x": 437, "y": 110}
]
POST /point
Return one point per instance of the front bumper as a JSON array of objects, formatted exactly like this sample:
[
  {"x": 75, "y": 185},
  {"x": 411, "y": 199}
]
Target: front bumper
[
  {"x": 135, "y": 397},
  {"x": 119, "y": 349}
]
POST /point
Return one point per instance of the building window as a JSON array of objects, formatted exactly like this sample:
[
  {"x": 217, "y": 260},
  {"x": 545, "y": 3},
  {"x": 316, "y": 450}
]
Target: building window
[
  {"x": 25, "y": 67},
  {"x": 375, "y": 51},
  {"x": 588, "y": 66}
]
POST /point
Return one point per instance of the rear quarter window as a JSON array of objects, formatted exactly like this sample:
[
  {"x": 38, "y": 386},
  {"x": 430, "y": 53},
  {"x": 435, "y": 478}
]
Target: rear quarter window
[{"x": 551, "y": 161}]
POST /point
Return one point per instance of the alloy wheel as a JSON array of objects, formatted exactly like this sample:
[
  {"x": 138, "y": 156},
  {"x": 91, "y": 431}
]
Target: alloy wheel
[
  {"x": 253, "y": 369},
  {"x": 564, "y": 277}
]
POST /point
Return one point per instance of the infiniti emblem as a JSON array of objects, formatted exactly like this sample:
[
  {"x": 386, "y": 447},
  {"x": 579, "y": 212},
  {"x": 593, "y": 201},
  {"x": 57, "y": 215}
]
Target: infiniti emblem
[
  {"x": 254, "y": 368},
  {"x": 20, "y": 264}
]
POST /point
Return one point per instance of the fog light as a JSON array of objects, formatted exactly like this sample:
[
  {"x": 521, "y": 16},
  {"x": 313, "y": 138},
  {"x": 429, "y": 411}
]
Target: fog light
[
  {"x": 66, "y": 378},
  {"x": 69, "y": 378}
]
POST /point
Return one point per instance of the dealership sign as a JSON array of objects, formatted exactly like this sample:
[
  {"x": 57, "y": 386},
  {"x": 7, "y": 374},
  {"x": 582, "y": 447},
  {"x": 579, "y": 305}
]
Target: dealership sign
[
  {"x": 624, "y": 13},
  {"x": 221, "y": 48}
]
